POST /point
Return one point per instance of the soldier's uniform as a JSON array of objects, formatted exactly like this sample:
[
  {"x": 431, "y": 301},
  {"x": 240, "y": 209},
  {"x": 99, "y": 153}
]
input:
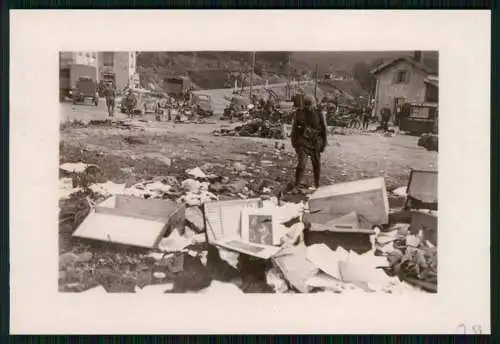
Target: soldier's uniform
[
  {"x": 309, "y": 139},
  {"x": 385, "y": 117},
  {"x": 130, "y": 102},
  {"x": 366, "y": 117},
  {"x": 110, "y": 94}
]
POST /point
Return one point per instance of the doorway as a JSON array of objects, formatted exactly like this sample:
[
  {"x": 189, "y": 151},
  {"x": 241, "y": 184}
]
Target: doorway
[{"x": 398, "y": 103}]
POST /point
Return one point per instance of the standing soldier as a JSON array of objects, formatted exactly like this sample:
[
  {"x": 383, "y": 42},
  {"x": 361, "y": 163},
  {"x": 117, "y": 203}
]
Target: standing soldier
[
  {"x": 130, "y": 103},
  {"x": 110, "y": 94},
  {"x": 308, "y": 139},
  {"x": 366, "y": 117},
  {"x": 385, "y": 115}
]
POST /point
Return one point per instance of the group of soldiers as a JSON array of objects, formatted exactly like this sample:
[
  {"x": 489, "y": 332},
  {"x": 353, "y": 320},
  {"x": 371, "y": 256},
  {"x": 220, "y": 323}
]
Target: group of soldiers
[{"x": 129, "y": 101}]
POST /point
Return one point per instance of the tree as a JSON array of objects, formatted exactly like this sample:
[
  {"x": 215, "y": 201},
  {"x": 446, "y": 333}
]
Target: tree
[{"x": 361, "y": 72}]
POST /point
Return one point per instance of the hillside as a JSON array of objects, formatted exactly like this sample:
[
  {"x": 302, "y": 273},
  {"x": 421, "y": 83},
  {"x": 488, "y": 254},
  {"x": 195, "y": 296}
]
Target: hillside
[
  {"x": 346, "y": 60},
  {"x": 220, "y": 69}
]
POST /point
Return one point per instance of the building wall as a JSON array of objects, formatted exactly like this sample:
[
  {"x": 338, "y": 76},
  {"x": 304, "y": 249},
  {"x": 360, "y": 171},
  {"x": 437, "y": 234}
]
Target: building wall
[
  {"x": 88, "y": 58},
  {"x": 122, "y": 63},
  {"x": 387, "y": 89}
]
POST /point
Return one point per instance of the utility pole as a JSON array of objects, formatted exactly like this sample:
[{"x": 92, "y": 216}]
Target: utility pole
[
  {"x": 288, "y": 90},
  {"x": 316, "y": 83},
  {"x": 251, "y": 75}
]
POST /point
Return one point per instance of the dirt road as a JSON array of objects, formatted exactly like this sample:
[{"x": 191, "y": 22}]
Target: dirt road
[{"x": 346, "y": 158}]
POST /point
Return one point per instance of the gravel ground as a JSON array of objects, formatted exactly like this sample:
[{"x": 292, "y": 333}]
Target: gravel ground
[{"x": 163, "y": 149}]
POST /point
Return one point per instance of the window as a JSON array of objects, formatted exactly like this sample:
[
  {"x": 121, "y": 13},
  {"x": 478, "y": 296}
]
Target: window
[
  {"x": 402, "y": 77},
  {"x": 107, "y": 59},
  {"x": 431, "y": 94}
]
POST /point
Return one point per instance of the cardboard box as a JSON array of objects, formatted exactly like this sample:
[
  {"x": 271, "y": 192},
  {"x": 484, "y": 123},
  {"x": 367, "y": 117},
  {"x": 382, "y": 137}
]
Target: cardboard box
[
  {"x": 368, "y": 198},
  {"x": 130, "y": 220}
]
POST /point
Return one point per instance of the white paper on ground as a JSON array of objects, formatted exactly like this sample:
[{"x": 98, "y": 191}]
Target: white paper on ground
[
  {"x": 238, "y": 245},
  {"x": 293, "y": 263},
  {"x": 108, "y": 189},
  {"x": 323, "y": 280},
  {"x": 325, "y": 259},
  {"x": 158, "y": 186},
  {"x": 360, "y": 273},
  {"x": 401, "y": 191},
  {"x": 66, "y": 188},
  {"x": 174, "y": 242},
  {"x": 229, "y": 257},
  {"x": 196, "y": 173}
]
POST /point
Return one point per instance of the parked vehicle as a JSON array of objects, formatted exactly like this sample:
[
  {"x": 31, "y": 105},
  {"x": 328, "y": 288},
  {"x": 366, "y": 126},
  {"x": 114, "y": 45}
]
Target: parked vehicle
[
  {"x": 177, "y": 86},
  {"x": 421, "y": 118},
  {"x": 69, "y": 75},
  {"x": 86, "y": 89},
  {"x": 203, "y": 104},
  {"x": 240, "y": 106}
]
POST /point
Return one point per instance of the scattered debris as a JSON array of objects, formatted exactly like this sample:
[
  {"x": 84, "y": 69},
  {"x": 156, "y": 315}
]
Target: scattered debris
[
  {"x": 194, "y": 218},
  {"x": 401, "y": 191},
  {"x": 196, "y": 173},
  {"x": 173, "y": 243},
  {"x": 429, "y": 142},
  {"x": 163, "y": 215}
]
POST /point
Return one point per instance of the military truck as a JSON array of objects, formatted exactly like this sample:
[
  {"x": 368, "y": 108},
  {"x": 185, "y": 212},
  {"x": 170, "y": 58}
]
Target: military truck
[{"x": 69, "y": 75}]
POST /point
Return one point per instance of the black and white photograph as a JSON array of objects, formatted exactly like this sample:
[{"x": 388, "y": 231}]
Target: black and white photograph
[
  {"x": 260, "y": 229},
  {"x": 216, "y": 171},
  {"x": 147, "y": 139}
]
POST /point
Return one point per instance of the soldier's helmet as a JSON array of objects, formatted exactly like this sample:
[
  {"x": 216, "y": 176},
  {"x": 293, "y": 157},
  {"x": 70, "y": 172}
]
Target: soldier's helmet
[{"x": 309, "y": 101}]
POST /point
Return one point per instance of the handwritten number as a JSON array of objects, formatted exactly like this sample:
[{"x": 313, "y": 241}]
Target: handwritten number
[
  {"x": 462, "y": 329},
  {"x": 477, "y": 329}
]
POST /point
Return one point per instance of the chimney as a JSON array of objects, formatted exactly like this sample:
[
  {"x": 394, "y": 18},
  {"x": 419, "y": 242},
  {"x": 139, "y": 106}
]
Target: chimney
[{"x": 417, "y": 56}]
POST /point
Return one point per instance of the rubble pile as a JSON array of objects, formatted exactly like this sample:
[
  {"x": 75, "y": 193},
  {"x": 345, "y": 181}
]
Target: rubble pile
[
  {"x": 201, "y": 245},
  {"x": 255, "y": 128}
]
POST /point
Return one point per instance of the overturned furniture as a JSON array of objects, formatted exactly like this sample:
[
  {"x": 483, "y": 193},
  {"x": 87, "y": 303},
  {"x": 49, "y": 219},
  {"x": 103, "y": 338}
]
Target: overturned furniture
[
  {"x": 422, "y": 190},
  {"x": 130, "y": 220}
]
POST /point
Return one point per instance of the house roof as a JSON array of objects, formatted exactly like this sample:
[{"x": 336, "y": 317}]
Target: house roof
[
  {"x": 432, "y": 79},
  {"x": 408, "y": 60}
]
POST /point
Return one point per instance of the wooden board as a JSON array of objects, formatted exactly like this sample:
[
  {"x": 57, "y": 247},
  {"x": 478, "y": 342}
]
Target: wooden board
[{"x": 130, "y": 220}]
